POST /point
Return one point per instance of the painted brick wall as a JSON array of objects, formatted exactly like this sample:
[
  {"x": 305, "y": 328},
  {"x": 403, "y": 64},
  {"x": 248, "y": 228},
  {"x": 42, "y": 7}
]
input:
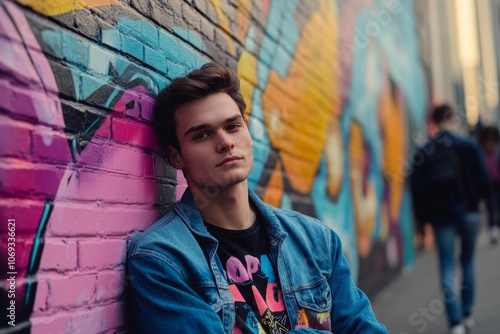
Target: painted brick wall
[{"x": 335, "y": 90}]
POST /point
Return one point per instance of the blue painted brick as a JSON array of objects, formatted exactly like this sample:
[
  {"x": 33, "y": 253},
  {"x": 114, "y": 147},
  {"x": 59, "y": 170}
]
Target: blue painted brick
[
  {"x": 129, "y": 27},
  {"x": 281, "y": 61},
  {"x": 53, "y": 43},
  {"x": 174, "y": 70},
  {"x": 191, "y": 36},
  {"x": 133, "y": 47},
  {"x": 142, "y": 31},
  {"x": 170, "y": 46},
  {"x": 188, "y": 56},
  {"x": 112, "y": 38},
  {"x": 75, "y": 50},
  {"x": 99, "y": 60},
  {"x": 266, "y": 51},
  {"x": 89, "y": 84},
  {"x": 155, "y": 59},
  {"x": 150, "y": 34}
]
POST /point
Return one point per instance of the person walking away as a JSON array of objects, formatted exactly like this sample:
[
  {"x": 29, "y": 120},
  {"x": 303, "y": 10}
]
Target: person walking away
[
  {"x": 489, "y": 140},
  {"x": 448, "y": 181}
]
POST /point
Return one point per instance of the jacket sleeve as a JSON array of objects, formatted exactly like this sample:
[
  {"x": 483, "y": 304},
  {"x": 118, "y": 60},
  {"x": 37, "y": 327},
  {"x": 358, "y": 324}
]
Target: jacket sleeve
[
  {"x": 162, "y": 302},
  {"x": 351, "y": 310}
]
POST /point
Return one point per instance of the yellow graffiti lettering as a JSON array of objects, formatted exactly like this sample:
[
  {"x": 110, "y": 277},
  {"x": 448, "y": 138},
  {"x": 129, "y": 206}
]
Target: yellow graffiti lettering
[
  {"x": 301, "y": 111},
  {"x": 58, "y": 7}
]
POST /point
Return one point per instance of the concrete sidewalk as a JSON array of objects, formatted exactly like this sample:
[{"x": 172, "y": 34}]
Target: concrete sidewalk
[{"x": 412, "y": 303}]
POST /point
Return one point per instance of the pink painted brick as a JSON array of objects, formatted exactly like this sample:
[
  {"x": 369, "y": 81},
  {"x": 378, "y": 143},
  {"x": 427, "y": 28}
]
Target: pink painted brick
[
  {"x": 26, "y": 242},
  {"x": 22, "y": 25},
  {"x": 15, "y": 137},
  {"x": 59, "y": 254},
  {"x": 22, "y": 103},
  {"x": 86, "y": 219},
  {"x": 7, "y": 28},
  {"x": 105, "y": 129},
  {"x": 49, "y": 145},
  {"x": 75, "y": 219},
  {"x": 55, "y": 324},
  {"x": 14, "y": 54},
  {"x": 26, "y": 212},
  {"x": 24, "y": 246},
  {"x": 124, "y": 220},
  {"x": 50, "y": 105},
  {"x": 120, "y": 158},
  {"x": 84, "y": 321},
  {"x": 6, "y": 94},
  {"x": 46, "y": 74},
  {"x": 98, "y": 320},
  {"x": 41, "y": 298},
  {"x": 33, "y": 102},
  {"x": 147, "y": 108},
  {"x": 70, "y": 291},
  {"x": 129, "y": 103},
  {"x": 95, "y": 186},
  {"x": 110, "y": 285},
  {"x": 36, "y": 102},
  {"x": 114, "y": 315},
  {"x": 24, "y": 178},
  {"x": 133, "y": 132},
  {"x": 101, "y": 254}
]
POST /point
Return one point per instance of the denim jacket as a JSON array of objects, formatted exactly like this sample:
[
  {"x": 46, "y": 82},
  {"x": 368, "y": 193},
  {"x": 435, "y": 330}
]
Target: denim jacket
[{"x": 178, "y": 285}]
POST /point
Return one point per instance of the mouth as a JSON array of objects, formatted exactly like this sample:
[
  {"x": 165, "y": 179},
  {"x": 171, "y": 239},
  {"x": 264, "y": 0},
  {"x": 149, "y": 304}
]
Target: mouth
[{"x": 229, "y": 161}]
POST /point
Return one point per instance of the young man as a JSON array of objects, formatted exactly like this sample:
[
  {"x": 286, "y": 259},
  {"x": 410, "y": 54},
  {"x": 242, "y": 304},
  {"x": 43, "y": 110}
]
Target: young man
[
  {"x": 222, "y": 261},
  {"x": 448, "y": 181}
]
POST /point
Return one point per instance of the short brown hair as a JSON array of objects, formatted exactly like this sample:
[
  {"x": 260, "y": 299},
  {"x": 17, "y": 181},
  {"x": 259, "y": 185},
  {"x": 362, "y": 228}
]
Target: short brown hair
[
  {"x": 442, "y": 113},
  {"x": 210, "y": 79}
]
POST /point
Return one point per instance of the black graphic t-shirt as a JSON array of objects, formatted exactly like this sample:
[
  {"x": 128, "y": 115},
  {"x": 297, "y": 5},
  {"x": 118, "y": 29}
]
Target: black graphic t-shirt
[{"x": 252, "y": 280}]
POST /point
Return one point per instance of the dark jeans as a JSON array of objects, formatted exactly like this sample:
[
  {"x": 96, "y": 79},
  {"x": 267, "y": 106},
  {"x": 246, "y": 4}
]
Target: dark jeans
[
  {"x": 493, "y": 206},
  {"x": 458, "y": 300}
]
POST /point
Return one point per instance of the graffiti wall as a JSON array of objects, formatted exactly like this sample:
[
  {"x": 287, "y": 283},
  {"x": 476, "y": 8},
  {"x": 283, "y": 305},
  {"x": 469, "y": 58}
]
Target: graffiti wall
[{"x": 334, "y": 89}]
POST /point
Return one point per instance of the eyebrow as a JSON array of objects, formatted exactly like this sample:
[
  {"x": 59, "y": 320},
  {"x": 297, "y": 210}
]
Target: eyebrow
[{"x": 206, "y": 125}]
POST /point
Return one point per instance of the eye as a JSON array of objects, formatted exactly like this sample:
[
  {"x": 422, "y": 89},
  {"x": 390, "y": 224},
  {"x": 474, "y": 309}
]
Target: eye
[
  {"x": 200, "y": 136},
  {"x": 233, "y": 127}
]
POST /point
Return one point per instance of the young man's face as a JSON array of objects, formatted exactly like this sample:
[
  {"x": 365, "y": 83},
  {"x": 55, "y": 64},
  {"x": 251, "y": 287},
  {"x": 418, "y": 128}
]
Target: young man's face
[{"x": 215, "y": 144}]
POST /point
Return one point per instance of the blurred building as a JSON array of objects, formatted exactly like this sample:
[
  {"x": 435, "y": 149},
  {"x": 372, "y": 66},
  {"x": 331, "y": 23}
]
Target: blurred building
[{"x": 460, "y": 42}]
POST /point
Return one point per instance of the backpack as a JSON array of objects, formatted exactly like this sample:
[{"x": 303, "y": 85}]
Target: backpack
[{"x": 444, "y": 178}]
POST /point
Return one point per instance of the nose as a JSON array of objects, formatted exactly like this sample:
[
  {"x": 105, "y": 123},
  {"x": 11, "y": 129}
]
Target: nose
[{"x": 226, "y": 143}]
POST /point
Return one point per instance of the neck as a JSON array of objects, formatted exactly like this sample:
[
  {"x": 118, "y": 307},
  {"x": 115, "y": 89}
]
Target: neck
[
  {"x": 446, "y": 126},
  {"x": 228, "y": 208}
]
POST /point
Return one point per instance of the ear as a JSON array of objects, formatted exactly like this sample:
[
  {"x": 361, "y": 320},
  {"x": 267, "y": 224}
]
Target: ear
[
  {"x": 175, "y": 157},
  {"x": 247, "y": 122}
]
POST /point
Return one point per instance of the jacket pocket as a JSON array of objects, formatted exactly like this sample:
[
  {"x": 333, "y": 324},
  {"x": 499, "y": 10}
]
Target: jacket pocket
[{"x": 314, "y": 304}]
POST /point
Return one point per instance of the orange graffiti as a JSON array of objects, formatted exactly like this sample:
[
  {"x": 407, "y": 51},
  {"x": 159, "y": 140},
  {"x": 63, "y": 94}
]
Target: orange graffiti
[
  {"x": 364, "y": 198},
  {"x": 275, "y": 188},
  {"x": 301, "y": 111},
  {"x": 393, "y": 128}
]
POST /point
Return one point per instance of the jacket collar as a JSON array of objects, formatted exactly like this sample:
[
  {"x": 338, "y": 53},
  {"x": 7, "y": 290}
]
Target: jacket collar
[{"x": 190, "y": 214}]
